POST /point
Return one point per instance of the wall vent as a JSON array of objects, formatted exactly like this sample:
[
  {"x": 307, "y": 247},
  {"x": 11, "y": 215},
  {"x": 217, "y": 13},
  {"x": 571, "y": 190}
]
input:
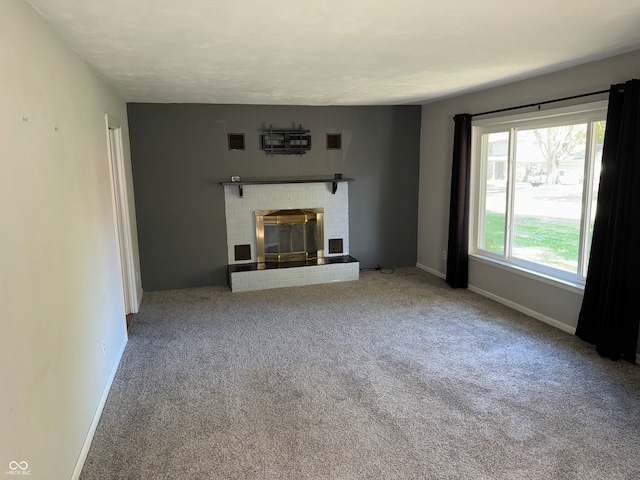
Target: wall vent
[
  {"x": 334, "y": 141},
  {"x": 236, "y": 141},
  {"x": 335, "y": 245},
  {"x": 242, "y": 252}
]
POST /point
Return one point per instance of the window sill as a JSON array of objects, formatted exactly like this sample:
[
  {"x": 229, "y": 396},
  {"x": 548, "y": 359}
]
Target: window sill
[{"x": 567, "y": 285}]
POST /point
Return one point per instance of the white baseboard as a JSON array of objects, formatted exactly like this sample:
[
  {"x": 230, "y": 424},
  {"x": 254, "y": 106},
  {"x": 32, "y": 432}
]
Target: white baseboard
[
  {"x": 96, "y": 417},
  {"x": 139, "y": 301},
  {"x": 527, "y": 311},
  {"x": 430, "y": 270},
  {"x": 516, "y": 306}
]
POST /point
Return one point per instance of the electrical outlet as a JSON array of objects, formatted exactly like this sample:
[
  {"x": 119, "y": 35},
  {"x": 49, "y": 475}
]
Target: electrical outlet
[
  {"x": 444, "y": 254},
  {"x": 104, "y": 348}
]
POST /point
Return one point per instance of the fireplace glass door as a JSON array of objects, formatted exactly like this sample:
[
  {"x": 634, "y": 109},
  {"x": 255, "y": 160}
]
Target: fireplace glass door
[{"x": 289, "y": 235}]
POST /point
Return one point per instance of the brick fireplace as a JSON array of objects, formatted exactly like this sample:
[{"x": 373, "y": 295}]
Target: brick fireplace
[{"x": 332, "y": 263}]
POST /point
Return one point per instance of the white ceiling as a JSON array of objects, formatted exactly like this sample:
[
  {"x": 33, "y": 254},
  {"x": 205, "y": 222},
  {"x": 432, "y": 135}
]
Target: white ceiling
[{"x": 334, "y": 52}]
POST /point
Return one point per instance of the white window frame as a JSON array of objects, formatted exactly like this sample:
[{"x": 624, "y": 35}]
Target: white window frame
[{"x": 583, "y": 113}]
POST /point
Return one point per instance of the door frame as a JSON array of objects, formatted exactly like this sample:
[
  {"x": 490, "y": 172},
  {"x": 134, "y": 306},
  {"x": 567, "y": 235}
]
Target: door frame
[{"x": 122, "y": 219}]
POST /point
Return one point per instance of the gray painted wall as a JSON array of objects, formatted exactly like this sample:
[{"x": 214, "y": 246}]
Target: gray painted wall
[
  {"x": 179, "y": 155},
  {"x": 548, "y": 302}
]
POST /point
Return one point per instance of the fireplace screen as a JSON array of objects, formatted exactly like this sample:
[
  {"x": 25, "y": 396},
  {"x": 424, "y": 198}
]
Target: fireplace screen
[{"x": 289, "y": 235}]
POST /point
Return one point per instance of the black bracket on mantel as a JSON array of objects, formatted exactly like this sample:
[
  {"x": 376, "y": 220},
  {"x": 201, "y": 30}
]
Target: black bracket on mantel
[{"x": 337, "y": 178}]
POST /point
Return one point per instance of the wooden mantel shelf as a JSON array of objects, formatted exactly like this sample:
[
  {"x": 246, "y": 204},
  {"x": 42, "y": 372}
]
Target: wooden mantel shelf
[{"x": 332, "y": 180}]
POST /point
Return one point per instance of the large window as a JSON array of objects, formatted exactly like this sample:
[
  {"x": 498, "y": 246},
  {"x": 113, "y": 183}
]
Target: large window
[{"x": 536, "y": 188}]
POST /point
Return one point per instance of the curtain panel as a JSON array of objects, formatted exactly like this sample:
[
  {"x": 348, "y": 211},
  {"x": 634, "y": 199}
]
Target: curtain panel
[
  {"x": 458, "y": 243},
  {"x": 609, "y": 316}
]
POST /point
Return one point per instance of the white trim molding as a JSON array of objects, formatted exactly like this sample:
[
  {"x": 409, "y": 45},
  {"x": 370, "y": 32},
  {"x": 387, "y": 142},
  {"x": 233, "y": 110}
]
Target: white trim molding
[
  {"x": 527, "y": 311},
  {"x": 122, "y": 219},
  {"x": 96, "y": 417},
  {"x": 430, "y": 270},
  {"x": 516, "y": 306}
]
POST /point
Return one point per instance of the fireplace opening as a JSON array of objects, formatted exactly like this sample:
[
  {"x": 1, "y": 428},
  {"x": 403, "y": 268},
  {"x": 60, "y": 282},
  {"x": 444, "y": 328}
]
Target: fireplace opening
[{"x": 289, "y": 235}]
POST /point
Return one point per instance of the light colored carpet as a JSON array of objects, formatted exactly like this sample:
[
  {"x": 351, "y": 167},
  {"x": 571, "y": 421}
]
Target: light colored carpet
[{"x": 394, "y": 376}]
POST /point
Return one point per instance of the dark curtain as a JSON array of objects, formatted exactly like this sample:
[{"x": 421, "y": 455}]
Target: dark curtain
[
  {"x": 610, "y": 314},
  {"x": 458, "y": 245}
]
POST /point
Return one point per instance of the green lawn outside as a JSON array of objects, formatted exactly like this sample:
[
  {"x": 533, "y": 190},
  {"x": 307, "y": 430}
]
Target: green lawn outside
[{"x": 552, "y": 241}]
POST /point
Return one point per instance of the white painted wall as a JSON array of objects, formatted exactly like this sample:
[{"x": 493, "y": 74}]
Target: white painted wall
[
  {"x": 60, "y": 293},
  {"x": 546, "y": 301}
]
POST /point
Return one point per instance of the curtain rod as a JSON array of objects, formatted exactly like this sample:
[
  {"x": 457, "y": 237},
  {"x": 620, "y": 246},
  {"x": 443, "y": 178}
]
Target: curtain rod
[{"x": 538, "y": 104}]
